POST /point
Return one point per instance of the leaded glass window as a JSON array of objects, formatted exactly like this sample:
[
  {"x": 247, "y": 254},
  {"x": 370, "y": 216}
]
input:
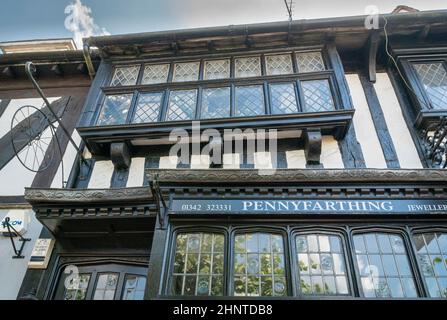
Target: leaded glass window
[
  {"x": 383, "y": 264},
  {"x": 186, "y": 71},
  {"x": 182, "y": 105},
  {"x": 215, "y": 103},
  {"x": 249, "y": 101},
  {"x": 317, "y": 96},
  {"x": 198, "y": 264},
  {"x": 321, "y": 265},
  {"x": 434, "y": 80},
  {"x": 155, "y": 73},
  {"x": 115, "y": 109},
  {"x": 247, "y": 67},
  {"x": 134, "y": 287},
  {"x": 283, "y": 99},
  {"x": 217, "y": 69},
  {"x": 278, "y": 64},
  {"x": 309, "y": 61},
  {"x": 432, "y": 255},
  {"x": 148, "y": 107},
  {"x": 259, "y": 265},
  {"x": 125, "y": 76},
  {"x": 106, "y": 286},
  {"x": 77, "y": 287}
]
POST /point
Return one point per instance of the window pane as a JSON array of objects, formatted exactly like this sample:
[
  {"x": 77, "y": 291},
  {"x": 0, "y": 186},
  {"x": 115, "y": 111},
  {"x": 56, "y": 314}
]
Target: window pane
[
  {"x": 249, "y": 101},
  {"x": 434, "y": 79},
  {"x": 115, "y": 109},
  {"x": 247, "y": 67},
  {"x": 326, "y": 265},
  {"x": 134, "y": 287},
  {"x": 259, "y": 267},
  {"x": 434, "y": 264},
  {"x": 217, "y": 69},
  {"x": 182, "y": 105},
  {"x": 125, "y": 76},
  {"x": 198, "y": 264},
  {"x": 77, "y": 287},
  {"x": 309, "y": 61},
  {"x": 279, "y": 64},
  {"x": 384, "y": 272},
  {"x": 187, "y": 71},
  {"x": 317, "y": 96},
  {"x": 148, "y": 107},
  {"x": 283, "y": 98},
  {"x": 106, "y": 286},
  {"x": 155, "y": 73},
  {"x": 215, "y": 103}
]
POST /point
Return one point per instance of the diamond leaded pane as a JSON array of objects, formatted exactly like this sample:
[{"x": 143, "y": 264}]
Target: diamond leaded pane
[
  {"x": 182, "y": 105},
  {"x": 283, "y": 98},
  {"x": 247, "y": 67},
  {"x": 215, "y": 103},
  {"x": 217, "y": 69},
  {"x": 249, "y": 101},
  {"x": 148, "y": 107},
  {"x": 317, "y": 96},
  {"x": 434, "y": 79},
  {"x": 279, "y": 64},
  {"x": 125, "y": 76},
  {"x": 309, "y": 61},
  {"x": 115, "y": 109},
  {"x": 155, "y": 73},
  {"x": 186, "y": 71}
]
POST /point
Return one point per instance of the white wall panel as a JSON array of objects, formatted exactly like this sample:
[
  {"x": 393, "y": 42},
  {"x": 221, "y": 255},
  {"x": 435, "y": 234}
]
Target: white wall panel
[
  {"x": 168, "y": 162},
  {"x": 397, "y": 127},
  {"x": 231, "y": 161},
  {"x": 136, "y": 173},
  {"x": 200, "y": 161},
  {"x": 330, "y": 153},
  {"x": 364, "y": 126},
  {"x": 296, "y": 159},
  {"x": 101, "y": 175},
  {"x": 263, "y": 160}
]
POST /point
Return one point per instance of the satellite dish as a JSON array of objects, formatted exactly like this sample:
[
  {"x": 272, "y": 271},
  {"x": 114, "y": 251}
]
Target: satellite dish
[{"x": 31, "y": 135}]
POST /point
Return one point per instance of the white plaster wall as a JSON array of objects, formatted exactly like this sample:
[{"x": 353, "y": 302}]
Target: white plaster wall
[
  {"x": 136, "y": 173},
  {"x": 231, "y": 161},
  {"x": 200, "y": 161},
  {"x": 397, "y": 127},
  {"x": 101, "y": 175},
  {"x": 364, "y": 126},
  {"x": 263, "y": 160},
  {"x": 168, "y": 162},
  {"x": 296, "y": 159},
  {"x": 12, "y": 271},
  {"x": 330, "y": 153}
]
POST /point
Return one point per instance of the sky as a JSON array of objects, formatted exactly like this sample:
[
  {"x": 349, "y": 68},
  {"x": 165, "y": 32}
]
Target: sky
[{"x": 46, "y": 19}]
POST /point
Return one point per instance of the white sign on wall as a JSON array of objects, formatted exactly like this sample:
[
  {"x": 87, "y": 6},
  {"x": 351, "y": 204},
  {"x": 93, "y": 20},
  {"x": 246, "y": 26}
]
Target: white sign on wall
[
  {"x": 41, "y": 254},
  {"x": 18, "y": 220}
]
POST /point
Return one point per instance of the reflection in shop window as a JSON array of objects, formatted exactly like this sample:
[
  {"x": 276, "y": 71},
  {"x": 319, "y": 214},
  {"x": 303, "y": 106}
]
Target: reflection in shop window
[
  {"x": 249, "y": 101},
  {"x": 384, "y": 267},
  {"x": 215, "y": 103},
  {"x": 115, "y": 109},
  {"x": 182, "y": 105},
  {"x": 198, "y": 264},
  {"x": 432, "y": 255},
  {"x": 259, "y": 266},
  {"x": 125, "y": 76},
  {"x": 106, "y": 286},
  {"x": 134, "y": 287},
  {"x": 321, "y": 265},
  {"x": 77, "y": 287}
]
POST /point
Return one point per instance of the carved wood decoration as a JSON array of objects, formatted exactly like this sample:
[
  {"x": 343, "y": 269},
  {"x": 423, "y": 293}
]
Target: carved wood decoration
[
  {"x": 312, "y": 146},
  {"x": 120, "y": 155}
]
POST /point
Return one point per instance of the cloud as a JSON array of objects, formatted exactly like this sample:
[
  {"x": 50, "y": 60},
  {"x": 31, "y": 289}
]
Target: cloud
[{"x": 79, "y": 20}]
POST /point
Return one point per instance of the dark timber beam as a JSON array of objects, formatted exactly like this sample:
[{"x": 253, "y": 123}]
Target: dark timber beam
[
  {"x": 9, "y": 72},
  {"x": 371, "y": 54},
  {"x": 57, "y": 70},
  {"x": 120, "y": 155},
  {"x": 312, "y": 146}
]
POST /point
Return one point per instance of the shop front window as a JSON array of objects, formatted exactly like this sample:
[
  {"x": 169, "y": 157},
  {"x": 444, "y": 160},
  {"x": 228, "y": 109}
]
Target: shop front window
[
  {"x": 384, "y": 267},
  {"x": 259, "y": 265},
  {"x": 321, "y": 265}
]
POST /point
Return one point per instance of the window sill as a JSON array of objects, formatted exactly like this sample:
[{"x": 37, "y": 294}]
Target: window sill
[
  {"x": 427, "y": 119},
  {"x": 99, "y": 138}
]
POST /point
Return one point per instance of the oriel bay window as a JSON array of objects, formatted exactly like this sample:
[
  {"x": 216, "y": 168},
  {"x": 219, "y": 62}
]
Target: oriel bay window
[{"x": 240, "y": 86}]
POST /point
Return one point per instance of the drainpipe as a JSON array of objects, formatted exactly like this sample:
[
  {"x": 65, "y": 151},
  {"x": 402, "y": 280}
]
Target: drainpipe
[{"x": 88, "y": 60}]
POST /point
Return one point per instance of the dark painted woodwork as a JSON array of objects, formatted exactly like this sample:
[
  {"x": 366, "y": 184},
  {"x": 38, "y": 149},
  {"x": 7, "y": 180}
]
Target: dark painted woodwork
[
  {"x": 120, "y": 155},
  {"x": 73, "y": 108},
  {"x": 3, "y": 104},
  {"x": 9, "y": 72},
  {"x": 312, "y": 146},
  {"x": 37, "y": 127},
  {"x": 386, "y": 143},
  {"x": 119, "y": 178}
]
